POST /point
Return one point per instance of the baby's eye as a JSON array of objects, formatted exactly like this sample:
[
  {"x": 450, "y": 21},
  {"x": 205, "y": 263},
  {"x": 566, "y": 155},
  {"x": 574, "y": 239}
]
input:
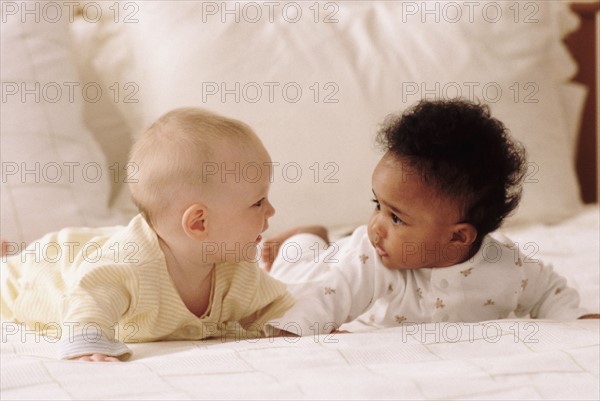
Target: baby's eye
[
  {"x": 396, "y": 219},
  {"x": 259, "y": 203},
  {"x": 377, "y": 205}
]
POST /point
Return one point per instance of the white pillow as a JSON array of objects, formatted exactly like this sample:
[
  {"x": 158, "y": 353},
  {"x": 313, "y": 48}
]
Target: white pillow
[
  {"x": 370, "y": 59},
  {"x": 103, "y": 118},
  {"x": 53, "y": 172}
]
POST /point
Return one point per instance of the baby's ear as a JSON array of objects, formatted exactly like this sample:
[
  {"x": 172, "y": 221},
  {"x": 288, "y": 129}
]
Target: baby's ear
[
  {"x": 193, "y": 221},
  {"x": 463, "y": 234}
]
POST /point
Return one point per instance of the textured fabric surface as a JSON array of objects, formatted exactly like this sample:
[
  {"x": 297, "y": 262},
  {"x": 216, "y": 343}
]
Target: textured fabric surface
[{"x": 500, "y": 359}]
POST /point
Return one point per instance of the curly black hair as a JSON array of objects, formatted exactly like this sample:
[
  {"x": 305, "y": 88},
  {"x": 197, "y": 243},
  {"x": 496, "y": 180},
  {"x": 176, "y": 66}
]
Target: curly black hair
[{"x": 464, "y": 153}]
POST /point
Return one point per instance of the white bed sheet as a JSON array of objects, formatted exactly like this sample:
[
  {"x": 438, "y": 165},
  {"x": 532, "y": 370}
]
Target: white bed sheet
[{"x": 504, "y": 359}]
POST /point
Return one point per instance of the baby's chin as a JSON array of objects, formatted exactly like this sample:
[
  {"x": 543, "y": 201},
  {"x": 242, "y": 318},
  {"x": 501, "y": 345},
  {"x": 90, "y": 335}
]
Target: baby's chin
[{"x": 390, "y": 264}]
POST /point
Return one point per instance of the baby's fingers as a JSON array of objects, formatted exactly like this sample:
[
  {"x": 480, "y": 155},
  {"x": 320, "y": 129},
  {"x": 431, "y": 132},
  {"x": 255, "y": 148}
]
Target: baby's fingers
[
  {"x": 270, "y": 248},
  {"x": 97, "y": 358},
  {"x": 268, "y": 254}
]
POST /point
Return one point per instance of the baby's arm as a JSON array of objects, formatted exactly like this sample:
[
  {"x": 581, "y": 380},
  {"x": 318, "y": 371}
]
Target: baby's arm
[
  {"x": 338, "y": 287},
  {"x": 271, "y": 245},
  {"x": 92, "y": 312},
  {"x": 547, "y": 296}
]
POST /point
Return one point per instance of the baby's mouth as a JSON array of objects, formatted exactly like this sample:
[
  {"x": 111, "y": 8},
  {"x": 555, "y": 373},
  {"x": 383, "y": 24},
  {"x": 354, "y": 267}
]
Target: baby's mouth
[{"x": 380, "y": 250}]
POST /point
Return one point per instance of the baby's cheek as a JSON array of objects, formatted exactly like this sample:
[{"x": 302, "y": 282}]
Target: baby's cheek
[
  {"x": 395, "y": 263},
  {"x": 402, "y": 258}
]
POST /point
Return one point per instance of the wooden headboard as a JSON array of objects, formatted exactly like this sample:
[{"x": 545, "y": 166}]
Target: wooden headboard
[{"x": 582, "y": 45}]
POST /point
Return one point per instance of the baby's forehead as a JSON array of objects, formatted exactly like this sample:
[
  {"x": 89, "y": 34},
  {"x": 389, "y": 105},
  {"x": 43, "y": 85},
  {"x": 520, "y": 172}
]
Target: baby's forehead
[
  {"x": 411, "y": 182},
  {"x": 402, "y": 170},
  {"x": 238, "y": 150}
]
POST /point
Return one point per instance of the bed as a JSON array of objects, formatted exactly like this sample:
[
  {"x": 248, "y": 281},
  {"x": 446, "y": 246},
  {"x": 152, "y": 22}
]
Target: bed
[{"x": 81, "y": 80}]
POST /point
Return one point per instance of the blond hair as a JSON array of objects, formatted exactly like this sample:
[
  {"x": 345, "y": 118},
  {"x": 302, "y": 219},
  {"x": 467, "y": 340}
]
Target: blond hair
[{"x": 168, "y": 158}]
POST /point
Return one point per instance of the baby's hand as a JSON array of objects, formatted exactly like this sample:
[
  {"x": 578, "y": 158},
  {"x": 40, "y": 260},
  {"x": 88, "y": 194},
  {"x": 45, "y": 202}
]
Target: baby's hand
[
  {"x": 96, "y": 358},
  {"x": 590, "y": 316},
  {"x": 3, "y": 246},
  {"x": 269, "y": 250},
  {"x": 271, "y": 245}
]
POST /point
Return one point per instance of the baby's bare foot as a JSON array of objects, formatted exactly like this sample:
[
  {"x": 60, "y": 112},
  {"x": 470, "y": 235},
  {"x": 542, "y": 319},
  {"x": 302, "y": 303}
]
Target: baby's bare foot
[{"x": 271, "y": 245}]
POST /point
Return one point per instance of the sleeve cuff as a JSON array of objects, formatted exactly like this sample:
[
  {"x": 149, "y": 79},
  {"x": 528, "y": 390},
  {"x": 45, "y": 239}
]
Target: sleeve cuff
[{"x": 80, "y": 345}]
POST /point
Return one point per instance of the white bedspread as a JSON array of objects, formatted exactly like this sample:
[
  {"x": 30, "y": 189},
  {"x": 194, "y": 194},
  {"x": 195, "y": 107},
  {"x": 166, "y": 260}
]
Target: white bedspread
[{"x": 504, "y": 359}]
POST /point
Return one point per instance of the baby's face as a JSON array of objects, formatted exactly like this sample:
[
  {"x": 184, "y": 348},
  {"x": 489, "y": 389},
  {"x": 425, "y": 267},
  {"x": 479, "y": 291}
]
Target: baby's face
[
  {"x": 239, "y": 211},
  {"x": 410, "y": 227}
]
